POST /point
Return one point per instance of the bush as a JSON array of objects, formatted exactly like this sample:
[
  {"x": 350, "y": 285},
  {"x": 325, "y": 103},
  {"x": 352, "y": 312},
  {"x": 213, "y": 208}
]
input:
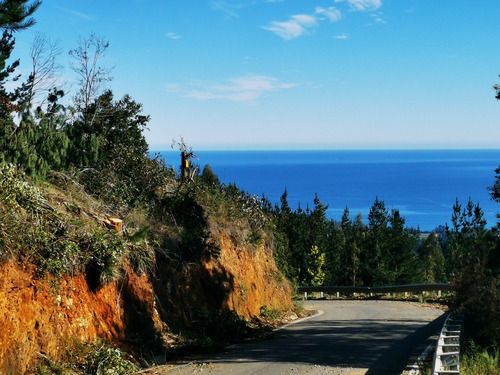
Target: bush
[
  {"x": 106, "y": 251},
  {"x": 15, "y": 191},
  {"x": 57, "y": 243},
  {"x": 476, "y": 360},
  {"x": 99, "y": 358}
]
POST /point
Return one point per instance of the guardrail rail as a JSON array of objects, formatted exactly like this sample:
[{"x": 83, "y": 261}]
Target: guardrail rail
[
  {"x": 447, "y": 354},
  {"x": 409, "y": 288}
]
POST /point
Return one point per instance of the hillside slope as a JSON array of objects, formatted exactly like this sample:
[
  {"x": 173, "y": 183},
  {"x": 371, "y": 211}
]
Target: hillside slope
[{"x": 51, "y": 299}]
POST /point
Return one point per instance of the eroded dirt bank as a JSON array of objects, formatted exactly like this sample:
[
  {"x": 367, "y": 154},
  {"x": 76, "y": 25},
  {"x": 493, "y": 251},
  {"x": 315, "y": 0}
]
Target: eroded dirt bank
[{"x": 41, "y": 316}]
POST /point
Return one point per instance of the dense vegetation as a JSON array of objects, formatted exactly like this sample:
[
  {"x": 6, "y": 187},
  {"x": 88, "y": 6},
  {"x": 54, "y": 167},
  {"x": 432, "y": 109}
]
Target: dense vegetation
[
  {"x": 95, "y": 148},
  {"x": 315, "y": 250}
]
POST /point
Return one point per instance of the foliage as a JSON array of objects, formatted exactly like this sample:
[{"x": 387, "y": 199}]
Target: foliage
[
  {"x": 476, "y": 360},
  {"x": 317, "y": 272},
  {"x": 104, "y": 360},
  {"x": 15, "y": 191},
  {"x": 432, "y": 260},
  {"x": 6, "y": 98},
  {"x": 110, "y": 131},
  {"x": 98, "y": 358},
  {"x": 473, "y": 254},
  {"x": 266, "y": 312},
  {"x": 254, "y": 238},
  {"x": 16, "y": 14},
  {"x": 107, "y": 254},
  {"x": 380, "y": 253},
  {"x": 35, "y": 147},
  {"x": 209, "y": 178},
  {"x": 58, "y": 243}
]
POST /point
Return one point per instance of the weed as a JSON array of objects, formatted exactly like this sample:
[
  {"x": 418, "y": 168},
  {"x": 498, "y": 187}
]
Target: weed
[
  {"x": 99, "y": 358},
  {"x": 254, "y": 238},
  {"x": 298, "y": 308},
  {"x": 273, "y": 314},
  {"x": 107, "y": 251},
  {"x": 477, "y": 360}
]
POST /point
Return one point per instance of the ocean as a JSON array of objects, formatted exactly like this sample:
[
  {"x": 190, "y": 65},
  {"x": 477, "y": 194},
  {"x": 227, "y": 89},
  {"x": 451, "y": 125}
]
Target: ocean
[{"x": 422, "y": 184}]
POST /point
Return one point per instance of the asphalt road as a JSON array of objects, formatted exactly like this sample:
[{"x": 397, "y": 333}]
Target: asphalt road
[{"x": 348, "y": 337}]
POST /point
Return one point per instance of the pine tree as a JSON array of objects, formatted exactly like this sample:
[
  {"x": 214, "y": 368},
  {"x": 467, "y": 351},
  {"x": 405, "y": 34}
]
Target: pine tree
[
  {"x": 209, "y": 178},
  {"x": 400, "y": 253},
  {"x": 15, "y": 15},
  {"x": 432, "y": 260},
  {"x": 283, "y": 230},
  {"x": 335, "y": 264},
  {"x": 116, "y": 126},
  {"x": 374, "y": 262},
  {"x": 318, "y": 223}
]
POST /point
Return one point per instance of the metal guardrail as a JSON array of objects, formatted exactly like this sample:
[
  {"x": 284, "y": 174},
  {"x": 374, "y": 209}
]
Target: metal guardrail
[
  {"x": 447, "y": 355},
  {"x": 410, "y": 288}
]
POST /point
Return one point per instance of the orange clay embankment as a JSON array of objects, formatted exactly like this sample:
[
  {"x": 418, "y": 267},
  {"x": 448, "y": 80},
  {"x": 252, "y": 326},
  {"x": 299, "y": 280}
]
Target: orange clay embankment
[{"x": 40, "y": 317}]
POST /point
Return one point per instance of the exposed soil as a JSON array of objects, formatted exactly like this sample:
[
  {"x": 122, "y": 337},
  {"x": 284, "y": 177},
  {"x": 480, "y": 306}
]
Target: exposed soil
[{"x": 40, "y": 317}]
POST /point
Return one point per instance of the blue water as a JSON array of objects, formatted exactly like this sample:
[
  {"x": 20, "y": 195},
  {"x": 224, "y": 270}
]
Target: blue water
[{"x": 422, "y": 184}]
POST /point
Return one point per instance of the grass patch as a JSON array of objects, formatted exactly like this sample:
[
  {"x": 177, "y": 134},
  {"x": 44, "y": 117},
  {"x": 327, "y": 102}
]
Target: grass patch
[{"x": 477, "y": 360}]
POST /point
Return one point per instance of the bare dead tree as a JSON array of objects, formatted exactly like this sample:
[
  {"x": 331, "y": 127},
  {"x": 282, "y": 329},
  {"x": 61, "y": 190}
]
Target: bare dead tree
[
  {"x": 45, "y": 69},
  {"x": 92, "y": 76}
]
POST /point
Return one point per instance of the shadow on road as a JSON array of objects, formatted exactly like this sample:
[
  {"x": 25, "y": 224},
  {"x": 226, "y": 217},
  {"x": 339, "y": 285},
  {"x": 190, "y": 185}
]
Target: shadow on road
[
  {"x": 383, "y": 347},
  {"x": 413, "y": 345}
]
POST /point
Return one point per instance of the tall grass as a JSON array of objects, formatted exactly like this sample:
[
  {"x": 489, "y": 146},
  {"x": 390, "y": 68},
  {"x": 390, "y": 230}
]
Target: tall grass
[{"x": 480, "y": 361}]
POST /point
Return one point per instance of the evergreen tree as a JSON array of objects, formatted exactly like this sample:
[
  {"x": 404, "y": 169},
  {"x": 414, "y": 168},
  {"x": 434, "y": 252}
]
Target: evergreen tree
[
  {"x": 283, "y": 232},
  {"x": 15, "y": 15},
  {"x": 209, "y": 178},
  {"x": 356, "y": 242},
  {"x": 300, "y": 244},
  {"x": 285, "y": 208},
  {"x": 319, "y": 225},
  {"x": 467, "y": 237},
  {"x": 473, "y": 253},
  {"x": 6, "y": 98},
  {"x": 335, "y": 268},
  {"x": 401, "y": 244},
  {"x": 432, "y": 260},
  {"x": 117, "y": 125},
  {"x": 374, "y": 262}
]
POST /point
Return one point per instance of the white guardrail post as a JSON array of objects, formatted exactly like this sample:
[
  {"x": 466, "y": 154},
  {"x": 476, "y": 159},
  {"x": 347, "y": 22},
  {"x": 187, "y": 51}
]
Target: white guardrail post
[{"x": 447, "y": 355}]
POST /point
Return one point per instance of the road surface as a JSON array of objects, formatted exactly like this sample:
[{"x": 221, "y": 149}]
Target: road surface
[{"x": 348, "y": 337}]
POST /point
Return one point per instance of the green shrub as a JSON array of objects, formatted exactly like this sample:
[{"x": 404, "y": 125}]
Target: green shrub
[
  {"x": 106, "y": 251},
  {"x": 98, "y": 358},
  {"x": 254, "y": 238},
  {"x": 15, "y": 191},
  {"x": 476, "y": 360},
  {"x": 266, "y": 312}
]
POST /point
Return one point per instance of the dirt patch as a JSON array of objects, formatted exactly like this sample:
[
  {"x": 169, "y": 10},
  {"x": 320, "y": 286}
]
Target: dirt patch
[{"x": 41, "y": 317}]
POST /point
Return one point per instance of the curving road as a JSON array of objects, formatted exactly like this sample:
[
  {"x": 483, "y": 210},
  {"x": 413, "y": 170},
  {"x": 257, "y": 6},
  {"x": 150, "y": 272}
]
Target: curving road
[{"x": 348, "y": 337}]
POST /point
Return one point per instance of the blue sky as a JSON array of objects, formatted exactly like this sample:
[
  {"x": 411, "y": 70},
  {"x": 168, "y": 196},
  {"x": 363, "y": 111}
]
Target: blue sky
[{"x": 295, "y": 74}]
